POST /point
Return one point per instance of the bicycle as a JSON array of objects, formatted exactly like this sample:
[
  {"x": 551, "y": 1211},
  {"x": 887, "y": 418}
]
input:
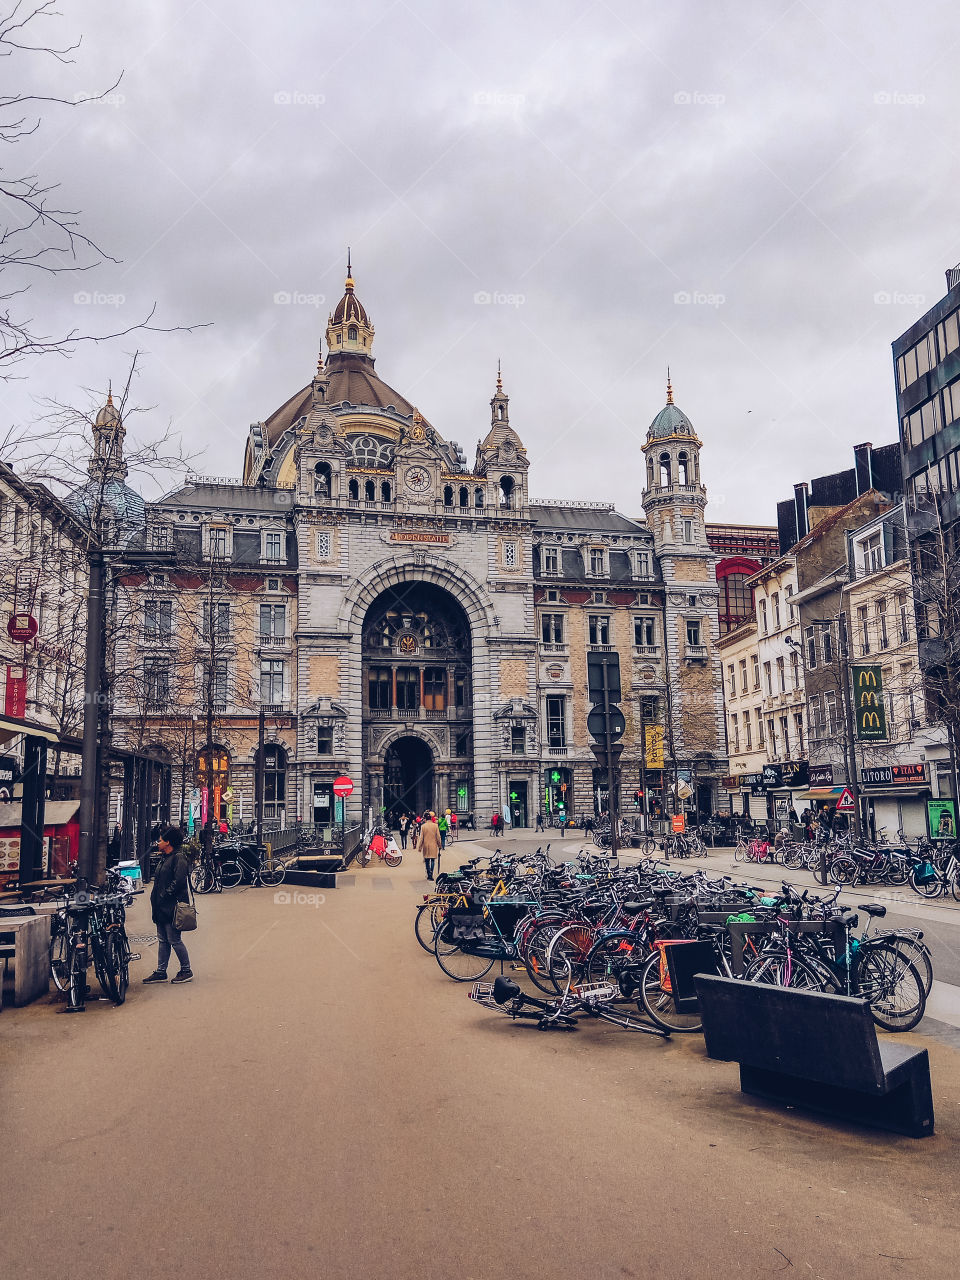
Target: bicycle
[
  {"x": 95, "y": 930},
  {"x": 265, "y": 871},
  {"x": 378, "y": 845},
  {"x": 595, "y": 1000}
]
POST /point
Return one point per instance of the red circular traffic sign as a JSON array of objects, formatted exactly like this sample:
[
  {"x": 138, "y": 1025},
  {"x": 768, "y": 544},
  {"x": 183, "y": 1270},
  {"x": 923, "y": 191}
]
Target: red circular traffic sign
[
  {"x": 342, "y": 786},
  {"x": 22, "y": 627}
]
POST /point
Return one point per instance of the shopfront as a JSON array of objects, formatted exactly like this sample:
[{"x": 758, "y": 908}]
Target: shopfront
[{"x": 896, "y": 799}]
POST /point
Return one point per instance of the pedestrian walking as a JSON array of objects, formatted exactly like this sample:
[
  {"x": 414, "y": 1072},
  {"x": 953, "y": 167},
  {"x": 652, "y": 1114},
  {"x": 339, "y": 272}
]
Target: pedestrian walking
[
  {"x": 540, "y": 820},
  {"x": 428, "y": 842},
  {"x": 443, "y": 826},
  {"x": 453, "y": 825},
  {"x": 169, "y": 888},
  {"x": 404, "y": 826},
  {"x": 495, "y": 818}
]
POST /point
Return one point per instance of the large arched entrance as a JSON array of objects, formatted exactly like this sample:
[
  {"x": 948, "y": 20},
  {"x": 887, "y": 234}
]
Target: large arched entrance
[
  {"x": 417, "y": 680},
  {"x": 408, "y": 776}
]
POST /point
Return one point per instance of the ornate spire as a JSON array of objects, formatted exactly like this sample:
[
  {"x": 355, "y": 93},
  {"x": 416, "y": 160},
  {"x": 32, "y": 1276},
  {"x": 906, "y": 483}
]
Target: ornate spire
[
  {"x": 107, "y": 461},
  {"x": 499, "y": 380},
  {"x": 349, "y": 281},
  {"x": 349, "y": 329},
  {"x": 669, "y": 387}
]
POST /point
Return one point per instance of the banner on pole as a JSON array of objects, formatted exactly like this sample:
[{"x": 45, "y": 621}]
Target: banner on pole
[
  {"x": 654, "y": 746},
  {"x": 870, "y": 715}
]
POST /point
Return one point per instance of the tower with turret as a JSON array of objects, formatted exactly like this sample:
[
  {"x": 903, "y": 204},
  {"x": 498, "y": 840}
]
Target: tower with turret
[{"x": 674, "y": 502}]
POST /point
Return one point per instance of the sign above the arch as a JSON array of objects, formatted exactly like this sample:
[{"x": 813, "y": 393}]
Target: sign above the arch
[{"x": 397, "y": 535}]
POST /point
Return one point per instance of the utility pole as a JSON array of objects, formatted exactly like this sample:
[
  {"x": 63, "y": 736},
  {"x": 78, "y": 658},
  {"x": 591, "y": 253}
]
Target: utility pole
[
  {"x": 611, "y": 767},
  {"x": 643, "y": 764},
  {"x": 851, "y": 751},
  {"x": 92, "y": 696},
  {"x": 258, "y": 777},
  {"x": 207, "y": 839}
]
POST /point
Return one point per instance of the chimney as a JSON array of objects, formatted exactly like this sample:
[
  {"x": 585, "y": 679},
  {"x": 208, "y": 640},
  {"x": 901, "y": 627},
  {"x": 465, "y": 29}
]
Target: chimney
[
  {"x": 800, "y": 504},
  {"x": 863, "y": 453}
]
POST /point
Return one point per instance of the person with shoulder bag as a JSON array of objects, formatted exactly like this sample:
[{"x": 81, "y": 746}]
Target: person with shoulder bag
[{"x": 170, "y": 906}]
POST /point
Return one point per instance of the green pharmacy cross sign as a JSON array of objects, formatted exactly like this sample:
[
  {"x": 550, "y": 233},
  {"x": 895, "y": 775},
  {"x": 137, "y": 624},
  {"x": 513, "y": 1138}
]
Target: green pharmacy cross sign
[
  {"x": 555, "y": 776},
  {"x": 514, "y": 796},
  {"x": 868, "y": 709},
  {"x": 462, "y": 793}
]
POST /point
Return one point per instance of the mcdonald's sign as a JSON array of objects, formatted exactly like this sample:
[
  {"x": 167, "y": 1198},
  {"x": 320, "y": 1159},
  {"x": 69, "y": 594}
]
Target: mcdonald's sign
[{"x": 869, "y": 711}]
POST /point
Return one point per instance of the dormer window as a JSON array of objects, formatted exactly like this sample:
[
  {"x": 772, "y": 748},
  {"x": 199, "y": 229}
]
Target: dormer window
[{"x": 352, "y": 333}]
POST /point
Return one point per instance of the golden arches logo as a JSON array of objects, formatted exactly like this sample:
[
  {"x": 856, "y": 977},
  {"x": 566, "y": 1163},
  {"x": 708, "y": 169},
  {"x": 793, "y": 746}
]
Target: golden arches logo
[
  {"x": 869, "y": 700},
  {"x": 870, "y": 720},
  {"x": 866, "y": 676}
]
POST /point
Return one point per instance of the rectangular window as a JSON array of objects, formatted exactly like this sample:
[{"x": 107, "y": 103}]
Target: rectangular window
[
  {"x": 597, "y": 562},
  {"x": 762, "y": 606},
  {"x": 550, "y": 560},
  {"x": 798, "y": 731},
  {"x": 156, "y": 674},
  {"x": 735, "y": 725},
  {"x": 221, "y": 620},
  {"x": 785, "y": 735},
  {"x": 273, "y": 621},
  {"x": 902, "y": 615},
  {"x": 826, "y": 643},
  {"x": 795, "y": 666},
  {"x": 761, "y": 740},
  {"x": 324, "y": 739},
  {"x": 217, "y": 543},
  {"x": 871, "y": 553},
  {"x": 551, "y": 628},
  {"x": 556, "y": 722},
  {"x": 158, "y": 619},
  {"x": 747, "y": 732},
  {"x": 643, "y": 564},
  {"x": 743, "y": 675},
  {"x": 771, "y": 736},
  {"x": 775, "y": 602},
  {"x": 162, "y": 539},
  {"x": 408, "y": 688},
  {"x": 781, "y": 676},
  {"x": 645, "y": 632},
  {"x": 815, "y": 715},
  {"x": 694, "y": 637},
  {"x": 830, "y": 707},
  {"x": 756, "y": 671},
  {"x": 380, "y": 688},
  {"x": 882, "y": 624},
  {"x": 271, "y": 681},
  {"x": 863, "y": 626},
  {"x": 509, "y": 555},
  {"x": 948, "y": 337},
  {"x": 216, "y": 682},
  {"x": 434, "y": 689},
  {"x": 810, "y": 636},
  {"x": 598, "y": 625},
  {"x": 461, "y": 689},
  {"x": 768, "y": 679},
  {"x": 463, "y": 746},
  {"x": 518, "y": 740},
  {"x": 789, "y": 594},
  {"x": 324, "y": 545},
  {"x": 273, "y": 546},
  {"x": 732, "y": 679},
  {"x": 688, "y": 530}
]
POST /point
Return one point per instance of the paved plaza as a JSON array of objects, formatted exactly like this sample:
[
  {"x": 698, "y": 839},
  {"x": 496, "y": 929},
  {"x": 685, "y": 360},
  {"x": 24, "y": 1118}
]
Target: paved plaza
[{"x": 322, "y": 1101}]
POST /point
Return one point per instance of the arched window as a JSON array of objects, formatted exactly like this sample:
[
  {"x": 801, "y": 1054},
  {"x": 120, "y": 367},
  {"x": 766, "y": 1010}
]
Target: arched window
[
  {"x": 506, "y": 491},
  {"x": 354, "y": 490},
  {"x": 464, "y": 496},
  {"x": 274, "y": 782},
  {"x": 385, "y": 491},
  {"x": 502, "y": 410},
  {"x": 324, "y": 480},
  {"x": 682, "y": 469},
  {"x": 478, "y": 499},
  {"x": 665, "y": 471},
  {"x": 352, "y": 334},
  {"x": 448, "y": 495},
  {"x": 370, "y": 491},
  {"x": 649, "y": 473}
]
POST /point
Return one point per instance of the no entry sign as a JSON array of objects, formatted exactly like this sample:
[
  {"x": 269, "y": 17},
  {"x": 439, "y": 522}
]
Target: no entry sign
[{"x": 343, "y": 786}]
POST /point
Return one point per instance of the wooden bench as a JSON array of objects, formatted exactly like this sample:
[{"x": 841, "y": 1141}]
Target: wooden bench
[{"x": 816, "y": 1051}]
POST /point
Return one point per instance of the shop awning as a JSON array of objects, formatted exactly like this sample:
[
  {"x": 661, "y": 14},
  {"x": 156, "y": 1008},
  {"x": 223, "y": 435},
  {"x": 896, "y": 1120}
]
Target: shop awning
[
  {"x": 10, "y": 727},
  {"x": 823, "y": 794}
]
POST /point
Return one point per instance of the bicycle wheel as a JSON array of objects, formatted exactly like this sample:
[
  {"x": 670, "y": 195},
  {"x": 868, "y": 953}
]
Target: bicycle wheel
[
  {"x": 77, "y": 977},
  {"x": 393, "y": 859},
  {"x": 425, "y": 924},
  {"x": 60, "y": 961},
  {"x": 781, "y": 970},
  {"x": 535, "y": 956},
  {"x": 272, "y": 872},
  {"x": 363, "y": 857},
  {"x": 106, "y": 965},
  {"x": 121, "y": 954},
  {"x": 567, "y": 955},
  {"x": 898, "y": 870},
  {"x": 793, "y": 857},
  {"x": 658, "y": 1002},
  {"x": 231, "y": 873},
  {"x": 613, "y": 956},
  {"x": 844, "y": 870},
  {"x": 201, "y": 878},
  {"x": 460, "y": 965},
  {"x": 931, "y": 888},
  {"x": 893, "y": 988},
  {"x": 740, "y": 852},
  {"x": 917, "y": 953}
]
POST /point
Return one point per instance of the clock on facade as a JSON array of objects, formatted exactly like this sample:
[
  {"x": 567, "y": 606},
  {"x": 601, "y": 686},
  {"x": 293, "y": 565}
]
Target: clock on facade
[{"x": 417, "y": 479}]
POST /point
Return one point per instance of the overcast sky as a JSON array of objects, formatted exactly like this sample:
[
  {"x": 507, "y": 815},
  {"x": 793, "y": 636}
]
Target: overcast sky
[{"x": 761, "y": 195}]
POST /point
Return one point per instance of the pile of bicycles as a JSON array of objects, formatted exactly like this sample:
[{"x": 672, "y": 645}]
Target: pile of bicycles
[
  {"x": 593, "y": 937},
  {"x": 234, "y": 862},
  {"x": 90, "y": 927}
]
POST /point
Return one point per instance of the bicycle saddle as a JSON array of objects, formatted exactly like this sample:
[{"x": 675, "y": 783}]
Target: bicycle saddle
[
  {"x": 873, "y": 909},
  {"x": 505, "y": 989},
  {"x": 634, "y": 908}
]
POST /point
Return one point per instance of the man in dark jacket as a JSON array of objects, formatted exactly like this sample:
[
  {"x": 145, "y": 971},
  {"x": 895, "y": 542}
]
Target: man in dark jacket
[{"x": 169, "y": 888}]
